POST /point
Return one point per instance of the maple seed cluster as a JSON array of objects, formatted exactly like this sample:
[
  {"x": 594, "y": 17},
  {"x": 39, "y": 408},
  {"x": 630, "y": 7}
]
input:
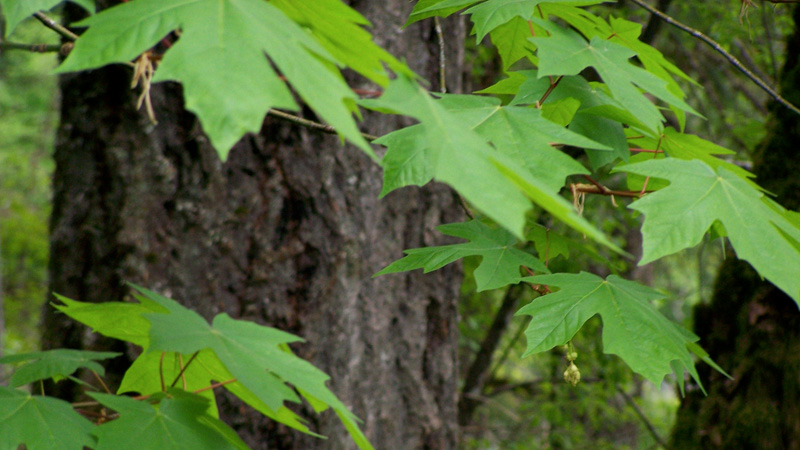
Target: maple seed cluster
[{"x": 572, "y": 375}]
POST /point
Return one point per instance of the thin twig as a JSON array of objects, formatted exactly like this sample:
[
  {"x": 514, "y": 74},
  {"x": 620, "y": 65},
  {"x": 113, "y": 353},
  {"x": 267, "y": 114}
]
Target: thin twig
[
  {"x": 35, "y": 48},
  {"x": 599, "y": 186},
  {"x": 55, "y": 26},
  {"x": 102, "y": 383},
  {"x": 644, "y": 150},
  {"x": 732, "y": 59},
  {"x": 442, "y": 67},
  {"x": 602, "y": 190},
  {"x": 311, "y": 124},
  {"x": 477, "y": 373},
  {"x": 650, "y": 428}
]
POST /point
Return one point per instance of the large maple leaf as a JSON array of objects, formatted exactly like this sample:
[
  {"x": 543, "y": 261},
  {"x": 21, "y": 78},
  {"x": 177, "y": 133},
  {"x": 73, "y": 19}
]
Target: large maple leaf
[
  {"x": 41, "y": 423},
  {"x": 565, "y": 52},
  {"x": 677, "y": 217},
  {"x": 220, "y": 61},
  {"x": 632, "y": 327}
]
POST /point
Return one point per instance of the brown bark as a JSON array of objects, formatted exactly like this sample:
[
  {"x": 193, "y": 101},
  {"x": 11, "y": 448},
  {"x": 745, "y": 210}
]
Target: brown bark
[
  {"x": 750, "y": 327},
  {"x": 287, "y": 232}
]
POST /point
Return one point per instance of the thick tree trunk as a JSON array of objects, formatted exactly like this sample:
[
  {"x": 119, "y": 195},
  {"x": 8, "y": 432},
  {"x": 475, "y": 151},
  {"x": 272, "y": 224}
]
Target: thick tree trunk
[
  {"x": 287, "y": 232},
  {"x": 751, "y": 328}
]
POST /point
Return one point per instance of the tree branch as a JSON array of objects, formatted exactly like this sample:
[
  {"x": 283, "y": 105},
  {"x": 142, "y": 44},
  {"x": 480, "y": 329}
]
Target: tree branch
[
  {"x": 650, "y": 428},
  {"x": 55, "y": 26},
  {"x": 311, "y": 124},
  {"x": 478, "y": 371},
  {"x": 732, "y": 59},
  {"x": 35, "y": 48}
]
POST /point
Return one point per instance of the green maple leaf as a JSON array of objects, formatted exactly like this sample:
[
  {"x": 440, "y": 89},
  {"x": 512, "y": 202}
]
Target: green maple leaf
[
  {"x": 338, "y": 28},
  {"x": 565, "y": 52},
  {"x": 632, "y": 328},
  {"x": 500, "y": 260},
  {"x": 596, "y": 117},
  {"x": 523, "y": 134},
  {"x": 677, "y": 217},
  {"x": 256, "y": 356},
  {"x": 220, "y": 61},
  {"x": 125, "y": 321},
  {"x": 15, "y": 11},
  {"x": 179, "y": 421},
  {"x": 442, "y": 8},
  {"x": 41, "y": 423},
  {"x": 511, "y": 40},
  {"x": 689, "y": 147},
  {"x": 491, "y": 14},
  {"x": 491, "y": 180},
  {"x": 118, "y": 320},
  {"x": 56, "y": 364},
  {"x": 453, "y": 153}
]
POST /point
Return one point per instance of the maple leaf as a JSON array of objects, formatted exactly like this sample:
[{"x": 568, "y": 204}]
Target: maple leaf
[
  {"x": 15, "y": 11},
  {"x": 453, "y": 153},
  {"x": 132, "y": 322},
  {"x": 179, "y": 420},
  {"x": 253, "y": 354},
  {"x": 511, "y": 40},
  {"x": 220, "y": 61},
  {"x": 491, "y": 14},
  {"x": 677, "y": 217},
  {"x": 493, "y": 181},
  {"x": 566, "y": 52},
  {"x": 57, "y": 364},
  {"x": 500, "y": 260},
  {"x": 597, "y": 117},
  {"x": 632, "y": 327},
  {"x": 41, "y": 423}
]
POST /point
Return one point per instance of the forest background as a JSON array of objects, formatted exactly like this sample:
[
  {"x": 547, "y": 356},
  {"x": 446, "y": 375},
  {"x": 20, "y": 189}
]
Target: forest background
[{"x": 524, "y": 403}]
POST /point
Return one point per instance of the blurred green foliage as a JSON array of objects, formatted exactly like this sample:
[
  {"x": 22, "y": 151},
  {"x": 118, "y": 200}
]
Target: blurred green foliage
[{"x": 28, "y": 118}]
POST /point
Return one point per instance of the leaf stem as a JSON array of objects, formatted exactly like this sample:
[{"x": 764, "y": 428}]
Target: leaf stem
[
  {"x": 643, "y": 150},
  {"x": 161, "y": 371},
  {"x": 183, "y": 369},
  {"x": 553, "y": 85},
  {"x": 215, "y": 385}
]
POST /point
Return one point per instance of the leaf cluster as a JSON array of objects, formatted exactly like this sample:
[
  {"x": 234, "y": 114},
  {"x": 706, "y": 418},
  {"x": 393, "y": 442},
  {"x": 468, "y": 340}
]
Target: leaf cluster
[{"x": 183, "y": 359}]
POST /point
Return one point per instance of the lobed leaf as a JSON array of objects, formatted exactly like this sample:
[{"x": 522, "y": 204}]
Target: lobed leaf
[
  {"x": 56, "y": 364},
  {"x": 41, "y": 423},
  {"x": 178, "y": 421},
  {"x": 632, "y": 328},
  {"x": 500, "y": 260},
  {"x": 15, "y": 11},
  {"x": 220, "y": 61},
  {"x": 677, "y": 217}
]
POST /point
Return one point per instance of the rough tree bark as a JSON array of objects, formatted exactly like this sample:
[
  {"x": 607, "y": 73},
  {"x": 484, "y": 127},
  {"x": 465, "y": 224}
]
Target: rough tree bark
[
  {"x": 750, "y": 327},
  {"x": 287, "y": 232}
]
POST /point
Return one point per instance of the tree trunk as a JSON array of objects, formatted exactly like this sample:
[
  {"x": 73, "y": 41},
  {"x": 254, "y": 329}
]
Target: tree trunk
[
  {"x": 750, "y": 327},
  {"x": 287, "y": 232}
]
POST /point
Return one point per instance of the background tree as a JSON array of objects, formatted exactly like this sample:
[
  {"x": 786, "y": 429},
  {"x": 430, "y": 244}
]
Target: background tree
[{"x": 285, "y": 232}]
